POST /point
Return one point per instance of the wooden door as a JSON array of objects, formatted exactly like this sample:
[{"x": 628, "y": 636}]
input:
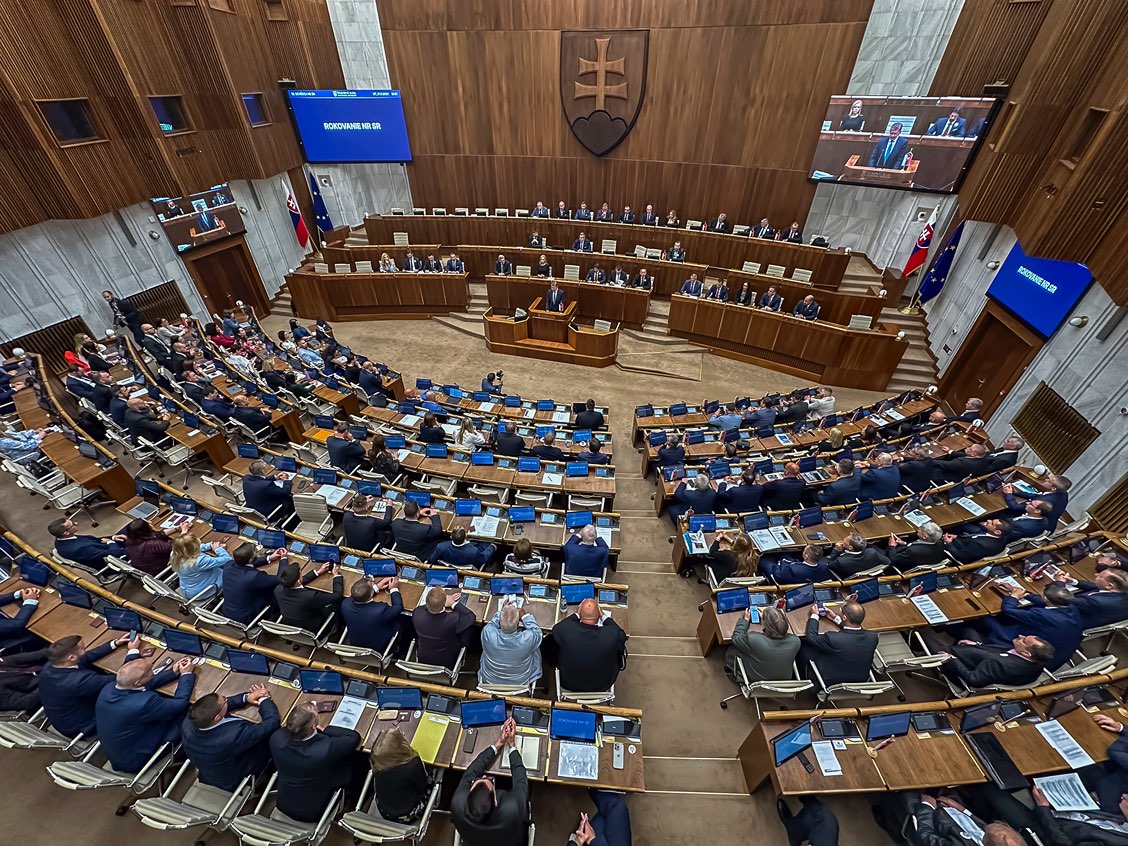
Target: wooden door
[
  {"x": 225, "y": 273},
  {"x": 990, "y": 361}
]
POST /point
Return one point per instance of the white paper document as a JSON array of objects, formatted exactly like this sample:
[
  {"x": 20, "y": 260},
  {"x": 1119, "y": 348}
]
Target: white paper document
[
  {"x": 784, "y": 440},
  {"x": 487, "y": 406},
  {"x": 828, "y": 761},
  {"x": 764, "y": 540},
  {"x": 577, "y": 760},
  {"x": 552, "y": 479},
  {"x": 484, "y": 524},
  {"x": 410, "y": 420},
  {"x": 331, "y": 493},
  {"x": 974, "y": 507},
  {"x": 529, "y": 413},
  {"x": 529, "y": 747},
  {"x": 917, "y": 517},
  {"x": 1063, "y": 742},
  {"x": 605, "y": 533},
  {"x": 929, "y": 609},
  {"x": 401, "y": 454},
  {"x": 1066, "y": 793},
  {"x": 560, "y": 417},
  {"x": 781, "y": 535},
  {"x": 348, "y": 712},
  {"x": 896, "y": 415}
]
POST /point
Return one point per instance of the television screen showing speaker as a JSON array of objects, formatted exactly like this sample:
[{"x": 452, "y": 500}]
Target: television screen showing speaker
[
  {"x": 351, "y": 126},
  {"x": 1041, "y": 292},
  {"x": 200, "y": 218},
  {"x": 911, "y": 143}
]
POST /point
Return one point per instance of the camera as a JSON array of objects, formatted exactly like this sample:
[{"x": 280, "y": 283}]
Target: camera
[{"x": 500, "y": 375}]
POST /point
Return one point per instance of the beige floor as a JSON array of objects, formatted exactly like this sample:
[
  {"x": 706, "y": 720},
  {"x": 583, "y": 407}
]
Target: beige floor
[{"x": 695, "y": 788}]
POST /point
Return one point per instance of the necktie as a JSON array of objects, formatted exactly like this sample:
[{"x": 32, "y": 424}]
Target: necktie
[
  {"x": 948, "y": 128},
  {"x": 888, "y": 149}
]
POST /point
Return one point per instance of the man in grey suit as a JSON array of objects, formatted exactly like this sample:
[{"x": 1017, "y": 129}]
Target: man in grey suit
[{"x": 767, "y": 655}]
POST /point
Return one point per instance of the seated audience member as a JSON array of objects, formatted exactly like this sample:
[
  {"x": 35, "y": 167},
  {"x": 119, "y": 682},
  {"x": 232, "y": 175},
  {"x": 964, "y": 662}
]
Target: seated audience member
[
  {"x": 215, "y": 405},
  {"x": 198, "y": 566},
  {"x": 844, "y": 490},
  {"x": 142, "y": 422},
  {"x": 411, "y": 264},
  {"x": 882, "y": 479},
  {"x": 926, "y": 549},
  {"x": 590, "y": 649},
  {"x": 247, "y": 589},
  {"x": 268, "y": 492},
  {"x": 103, "y": 392},
  {"x": 1104, "y": 600},
  {"x": 1050, "y": 617},
  {"x": 547, "y": 450},
  {"x": 806, "y": 308},
  {"x": 794, "y": 234},
  {"x": 69, "y": 683},
  {"x": 133, "y": 720},
  {"x": 363, "y": 529},
  {"x": 769, "y": 655},
  {"x": 454, "y": 264},
  {"x": 399, "y": 777},
  {"x": 78, "y": 382},
  {"x": 693, "y": 493},
  {"x": 976, "y": 665},
  {"x": 510, "y": 648},
  {"x": 731, "y": 555},
  {"x": 726, "y": 419},
  {"x": 672, "y": 221},
  {"x": 485, "y": 815},
  {"x": 813, "y": 567},
  {"x": 954, "y": 467},
  {"x": 920, "y": 820},
  {"x": 642, "y": 280},
  {"x": 459, "y": 552},
  {"x": 590, "y": 417},
  {"x": 741, "y": 497},
  {"x": 430, "y": 432},
  {"x": 543, "y": 268},
  {"x": 671, "y": 453},
  {"x": 792, "y": 410},
  {"x": 302, "y": 606},
  {"x": 1006, "y": 455},
  {"x": 692, "y": 287},
  {"x": 148, "y": 551},
  {"x": 822, "y": 403},
  {"x": 596, "y": 274},
  {"x": 592, "y": 453},
  {"x": 971, "y": 411},
  {"x": 784, "y": 494},
  {"x": 1074, "y": 828},
  {"x": 491, "y": 384},
  {"x": 88, "y": 550},
  {"x": 918, "y": 471},
  {"x": 618, "y": 277},
  {"x": 372, "y": 624},
  {"x": 676, "y": 252},
  {"x": 562, "y": 212},
  {"x": 525, "y": 560},
  {"x": 978, "y": 540},
  {"x": 468, "y": 434},
  {"x": 853, "y": 554},
  {"x": 346, "y": 453},
  {"x": 760, "y": 416},
  {"x": 508, "y": 442},
  {"x": 258, "y": 420},
  {"x": 583, "y": 212},
  {"x": 313, "y": 763},
  {"x": 763, "y": 230},
  {"x": 582, "y": 244},
  {"x": 382, "y": 461},
  {"x": 225, "y": 749},
  {"x": 418, "y": 531},
  {"x": 1028, "y": 520},
  {"x": 718, "y": 291},
  {"x": 443, "y": 627},
  {"x": 745, "y": 296},
  {"x": 1054, "y": 490},
  {"x": 770, "y": 300},
  {"x": 845, "y": 655},
  {"x": 719, "y": 223},
  {"x": 539, "y": 210},
  {"x": 585, "y": 553}
]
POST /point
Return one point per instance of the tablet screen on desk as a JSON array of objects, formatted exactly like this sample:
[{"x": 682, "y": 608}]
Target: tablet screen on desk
[
  {"x": 572, "y": 725},
  {"x": 978, "y": 717},
  {"x": 789, "y": 744},
  {"x": 399, "y": 698},
  {"x": 888, "y": 725}
]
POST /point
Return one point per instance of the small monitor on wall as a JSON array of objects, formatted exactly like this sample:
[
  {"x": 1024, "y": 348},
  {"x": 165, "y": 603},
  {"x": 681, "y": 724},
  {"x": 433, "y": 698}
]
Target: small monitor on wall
[{"x": 200, "y": 218}]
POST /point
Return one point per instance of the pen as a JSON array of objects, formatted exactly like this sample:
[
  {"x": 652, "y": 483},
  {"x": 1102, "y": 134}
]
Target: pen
[{"x": 883, "y": 744}]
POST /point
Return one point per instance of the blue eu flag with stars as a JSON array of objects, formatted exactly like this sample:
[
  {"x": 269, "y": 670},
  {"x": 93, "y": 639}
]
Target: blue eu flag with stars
[
  {"x": 324, "y": 224},
  {"x": 934, "y": 282}
]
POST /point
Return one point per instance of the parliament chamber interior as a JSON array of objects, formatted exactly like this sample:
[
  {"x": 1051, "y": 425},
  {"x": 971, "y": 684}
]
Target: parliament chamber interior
[{"x": 596, "y": 423}]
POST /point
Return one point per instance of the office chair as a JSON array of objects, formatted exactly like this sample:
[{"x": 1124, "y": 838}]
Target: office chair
[
  {"x": 277, "y": 829},
  {"x": 201, "y": 805}
]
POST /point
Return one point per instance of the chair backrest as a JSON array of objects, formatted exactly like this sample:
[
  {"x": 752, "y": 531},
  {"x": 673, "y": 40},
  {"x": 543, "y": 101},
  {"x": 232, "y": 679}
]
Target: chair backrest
[
  {"x": 860, "y": 321},
  {"x": 694, "y": 224},
  {"x": 524, "y": 270},
  {"x": 400, "y": 239},
  {"x": 608, "y": 245},
  {"x": 532, "y": 498},
  {"x": 481, "y": 212},
  {"x": 521, "y": 212},
  {"x": 801, "y": 274},
  {"x": 572, "y": 271},
  {"x": 418, "y": 210},
  {"x": 462, "y": 211},
  {"x": 501, "y": 212},
  {"x": 775, "y": 270},
  {"x": 364, "y": 267},
  {"x": 653, "y": 253},
  {"x": 741, "y": 230},
  {"x": 397, "y": 211},
  {"x": 311, "y": 506},
  {"x": 341, "y": 267},
  {"x": 438, "y": 210},
  {"x": 602, "y": 325},
  {"x": 751, "y": 267},
  {"x": 640, "y": 251},
  {"x": 320, "y": 267}
]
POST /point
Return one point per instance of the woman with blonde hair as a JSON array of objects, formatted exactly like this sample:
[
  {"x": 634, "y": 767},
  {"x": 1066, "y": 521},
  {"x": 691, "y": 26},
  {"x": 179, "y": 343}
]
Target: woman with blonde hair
[
  {"x": 468, "y": 434},
  {"x": 732, "y": 555},
  {"x": 399, "y": 776},
  {"x": 199, "y": 566},
  {"x": 387, "y": 264}
]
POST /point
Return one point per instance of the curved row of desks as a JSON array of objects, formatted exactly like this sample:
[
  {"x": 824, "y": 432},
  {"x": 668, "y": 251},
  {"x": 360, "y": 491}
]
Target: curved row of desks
[{"x": 376, "y": 296}]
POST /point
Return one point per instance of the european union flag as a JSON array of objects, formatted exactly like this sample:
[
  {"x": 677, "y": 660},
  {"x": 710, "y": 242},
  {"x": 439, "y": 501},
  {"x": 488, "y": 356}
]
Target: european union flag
[
  {"x": 320, "y": 212},
  {"x": 934, "y": 282}
]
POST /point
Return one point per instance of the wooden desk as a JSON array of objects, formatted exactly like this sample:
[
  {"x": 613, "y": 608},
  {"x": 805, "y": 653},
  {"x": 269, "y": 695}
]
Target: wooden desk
[
  {"x": 551, "y": 326},
  {"x": 375, "y": 296},
  {"x": 284, "y": 694},
  {"x": 629, "y": 779},
  {"x": 815, "y": 350},
  {"x": 214, "y": 446},
  {"x": 835, "y": 306},
  {"x": 859, "y": 770},
  {"x": 919, "y": 761},
  {"x": 936, "y": 160},
  {"x": 628, "y": 306},
  {"x": 582, "y": 345},
  {"x": 114, "y": 480}
]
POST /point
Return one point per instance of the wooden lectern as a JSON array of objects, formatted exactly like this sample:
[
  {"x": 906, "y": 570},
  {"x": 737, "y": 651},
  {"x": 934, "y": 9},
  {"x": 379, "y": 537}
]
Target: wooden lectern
[
  {"x": 547, "y": 325},
  {"x": 880, "y": 175}
]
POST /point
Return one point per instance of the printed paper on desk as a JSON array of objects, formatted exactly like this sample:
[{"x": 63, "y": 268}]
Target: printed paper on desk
[
  {"x": 552, "y": 479},
  {"x": 929, "y": 609},
  {"x": 333, "y": 494},
  {"x": 605, "y": 533},
  {"x": 1056, "y": 735},
  {"x": 578, "y": 760},
  {"x": 484, "y": 524},
  {"x": 695, "y": 543},
  {"x": 781, "y": 535},
  {"x": 896, "y": 415},
  {"x": 529, "y": 747},
  {"x": 974, "y": 507},
  {"x": 487, "y": 406},
  {"x": 828, "y": 761},
  {"x": 764, "y": 540},
  {"x": 410, "y": 420},
  {"x": 917, "y": 517},
  {"x": 1066, "y": 793},
  {"x": 560, "y": 417},
  {"x": 348, "y": 712}
]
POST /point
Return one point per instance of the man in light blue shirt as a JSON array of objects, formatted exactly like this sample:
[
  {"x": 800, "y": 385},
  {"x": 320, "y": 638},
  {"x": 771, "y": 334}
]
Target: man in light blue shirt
[
  {"x": 725, "y": 419},
  {"x": 309, "y": 357},
  {"x": 510, "y": 648},
  {"x": 21, "y": 446}
]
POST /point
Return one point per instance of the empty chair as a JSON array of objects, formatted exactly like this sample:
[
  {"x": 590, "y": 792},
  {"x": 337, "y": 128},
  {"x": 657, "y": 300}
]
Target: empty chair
[
  {"x": 849, "y": 690},
  {"x": 602, "y": 325},
  {"x": 524, "y": 270},
  {"x": 775, "y": 270},
  {"x": 341, "y": 267},
  {"x": 653, "y": 253},
  {"x": 66, "y": 497},
  {"x": 462, "y": 211},
  {"x": 400, "y": 239},
  {"x": 177, "y": 457},
  {"x": 445, "y": 487},
  {"x": 370, "y": 827},
  {"x": 201, "y": 805},
  {"x": 640, "y": 251},
  {"x": 542, "y": 499},
  {"x": 742, "y": 230},
  {"x": 481, "y": 212},
  {"x": 310, "y": 454},
  {"x": 214, "y": 618},
  {"x": 775, "y": 689},
  {"x": 160, "y": 589},
  {"x": 581, "y": 503},
  {"x": 224, "y": 487},
  {"x": 520, "y": 212},
  {"x": 421, "y": 670},
  {"x": 320, "y": 267},
  {"x": 360, "y": 655},
  {"x": 438, "y": 211},
  {"x": 501, "y": 212},
  {"x": 277, "y": 829},
  {"x": 86, "y": 775},
  {"x": 751, "y": 267},
  {"x": 418, "y": 210},
  {"x": 499, "y": 495},
  {"x": 398, "y": 212},
  {"x": 364, "y": 267},
  {"x": 298, "y": 637},
  {"x": 313, "y": 512},
  {"x": 572, "y": 271},
  {"x": 894, "y": 655},
  {"x": 1095, "y": 666},
  {"x": 34, "y": 732},
  {"x": 609, "y": 246},
  {"x": 801, "y": 274},
  {"x": 694, "y": 224},
  {"x": 860, "y": 321}
]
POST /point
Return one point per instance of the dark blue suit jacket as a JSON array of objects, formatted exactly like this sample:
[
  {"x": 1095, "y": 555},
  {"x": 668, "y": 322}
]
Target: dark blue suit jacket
[
  {"x": 132, "y": 724},
  {"x": 554, "y": 300},
  {"x": 309, "y": 771},
  {"x": 737, "y": 499},
  {"x": 881, "y": 482},
  {"x": 760, "y": 417},
  {"x": 1100, "y": 608},
  {"x": 226, "y": 753},
  {"x": 470, "y": 554},
  {"x": 254, "y": 418},
  {"x": 344, "y": 454},
  {"x": 263, "y": 495},
  {"x": 842, "y": 491},
  {"x": 88, "y": 550},
  {"x": 1060, "y": 627},
  {"x": 68, "y": 695},
  {"x": 1058, "y": 499},
  {"x": 583, "y": 560},
  {"x": 372, "y": 624},
  {"x": 784, "y": 494},
  {"x": 370, "y": 381},
  {"x": 221, "y": 409},
  {"x": 788, "y": 571},
  {"x": 888, "y": 155},
  {"x": 79, "y": 387},
  {"x": 247, "y": 590},
  {"x": 670, "y": 456},
  {"x": 14, "y": 629},
  {"x": 686, "y": 498}
]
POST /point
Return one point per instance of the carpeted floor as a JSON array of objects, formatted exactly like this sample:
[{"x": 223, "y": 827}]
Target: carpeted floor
[{"x": 695, "y": 788}]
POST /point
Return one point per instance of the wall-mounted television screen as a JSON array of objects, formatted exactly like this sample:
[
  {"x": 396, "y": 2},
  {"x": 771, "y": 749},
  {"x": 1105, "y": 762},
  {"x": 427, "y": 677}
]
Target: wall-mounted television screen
[
  {"x": 911, "y": 143},
  {"x": 199, "y": 218},
  {"x": 351, "y": 126},
  {"x": 1041, "y": 292}
]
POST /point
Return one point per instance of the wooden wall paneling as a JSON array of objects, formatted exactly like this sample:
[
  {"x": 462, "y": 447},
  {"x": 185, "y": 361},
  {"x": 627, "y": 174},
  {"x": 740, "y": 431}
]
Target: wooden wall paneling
[{"x": 989, "y": 43}]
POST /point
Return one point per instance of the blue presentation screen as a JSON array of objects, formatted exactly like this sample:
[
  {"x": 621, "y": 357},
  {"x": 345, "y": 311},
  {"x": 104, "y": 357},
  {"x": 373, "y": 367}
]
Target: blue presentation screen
[
  {"x": 351, "y": 126},
  {"x": 1039, "y": 291}
]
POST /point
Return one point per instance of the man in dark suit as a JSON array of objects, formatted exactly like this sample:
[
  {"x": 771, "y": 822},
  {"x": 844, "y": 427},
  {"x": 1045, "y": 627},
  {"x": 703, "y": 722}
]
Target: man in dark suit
[
  {"x": 976, "y": 666},
  {"x": 205, "y": 220},
  {"x": 671, "y": 453},
  {"x": 882, "y": 479},
  {"x": 815, "y": 824},
  {"x": 1028, "y": 519},
  {"x": 596, "y": 274},
  {"x": 507, "y": 441},
  {"x": 491, "y": 384},
  {"x": 742, "y": 497},
  {"x": 794, "y": 235},
  {"x": 417, "y": 531},
  {"x": 1104, "y": 600},
  {"x": 154, "y": 346},
  {"x": 554, "y": 299},
  {"x": 1055, "y": 491},
  {"x": 618, "y": 276},
  {"x": 1006, "y": 455},
  {"x": 215, "y": 405},
  {"x": 125, "y": 314},
  {"x": 719, "y": 223},
  {"x": 225, "y": 749},
  {"x": 845, "y": 655},
  {"x": 313, "y": 763},
  {"x": 539, "y": 210},
  {"x": 917, "y": 470},
  {"x": 642, "y": 280},
  {"x": 971, "y": 412},
  {"x": 459, "y": 552},
  {"x": 695, "y": 492},
  {"x": 590, "y": 653},
  {"x": 605, "y": 214},
  {"x": 853, "y": 554},
  {"x": 503, "y": 266},
  {"x": 133, "y": 720},
  {"x": 255, "y": 419},
  {"x": 119, "y": 405},
  {"x": 193, "y": 386},
  {"x": 585, "y": 553},
  {"x": 927, "y": 548},
  {"x": 589, "y": 418},
  {"x": 87, "y": 550},
  {"x": 582, "y": 244},
  {"x": 141, "y": 422},
  {"x": 369, "y": 378},
  {"x": 454, "y": 264},
  {"x": 78, "y": 383},
  {"x": 953, "y": 125},
  {"x": 443, "y": 627},
  {"x": 562, "y": 212},
  {"x": 432, "y": 264},
  {"x": 770, "y": 299},
  {"x": 813, "y": 567},
  {"x": 792, "y": 411},
  {"x": 785, "y": 494},
  {"x": 485, "y": 815},
  {"x": 305, "y": 607},
  {"x": 845, "y": 489},
  {"x": 69, "y": 684},
  {"x": 627, "y": 216},
  {"x": 692, "y": 287},
  {"x": 649, "y": 218},
  {"x": 247, "y": 589},
  {"x": 102, "y": 392},
  {"x": 977, "y": 541},
  {"x": 763, "y": 230},
  {"x": 806, "y": 308},
  {"x": 954, "y": 467},
  {"x": 592, "y": 453},
  {"x": 346, "y": 453},
  {"x": 1049, "y": 617},
  {"x": 371, "y": 623},
  {"x": 890, "y": 150},
  {"x": 547, "y": 450},
  {"x": 411, "y": 264},
  {"x": 676, "y": 252},
  {"x": 268, "y": 494},
  {"x": 583, "y": 212}
]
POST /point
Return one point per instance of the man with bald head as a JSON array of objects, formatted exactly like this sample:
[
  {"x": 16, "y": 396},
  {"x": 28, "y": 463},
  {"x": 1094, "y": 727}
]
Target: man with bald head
[
  {"x": 845, "y": 655},
  {"x": 142, "y": 422},
  {"x": 511, "y": 648},
  {"x": 134, "y": 720},
  {"x": 954, "y": 467},
  {"x": 591, "y": 649},
  {"x": 443, "y": 627},
  {"x": 585, "y": 553},
  {"x": 881, "y": 479},
  {"x": 784, "y": 494}
]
